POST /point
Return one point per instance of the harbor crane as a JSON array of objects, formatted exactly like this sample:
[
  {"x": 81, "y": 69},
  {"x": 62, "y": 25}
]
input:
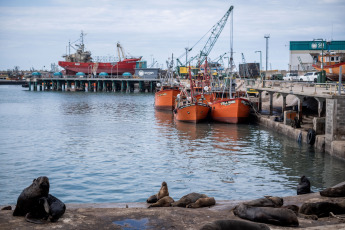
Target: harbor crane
[{"x": 215, "y": 32}]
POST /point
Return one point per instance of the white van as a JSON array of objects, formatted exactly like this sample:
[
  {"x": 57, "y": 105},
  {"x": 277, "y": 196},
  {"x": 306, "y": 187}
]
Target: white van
[{"x": 310, "y": 76}]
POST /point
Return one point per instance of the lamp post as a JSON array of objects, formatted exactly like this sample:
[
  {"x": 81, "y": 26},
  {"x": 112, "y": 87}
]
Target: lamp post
[
  {"x": 320, "y": 39},
  {"x": 259, "y": 51},
  {"x": 267, "y": 36}
]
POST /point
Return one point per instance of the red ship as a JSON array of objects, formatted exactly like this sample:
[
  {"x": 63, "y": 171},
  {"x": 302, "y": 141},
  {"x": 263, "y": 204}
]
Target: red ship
[{"x": 81, "y": 61}]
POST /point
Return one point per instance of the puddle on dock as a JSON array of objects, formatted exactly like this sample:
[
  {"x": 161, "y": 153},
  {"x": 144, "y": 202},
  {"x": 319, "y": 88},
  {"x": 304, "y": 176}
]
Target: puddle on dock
[{"x": 130, "y": 224}]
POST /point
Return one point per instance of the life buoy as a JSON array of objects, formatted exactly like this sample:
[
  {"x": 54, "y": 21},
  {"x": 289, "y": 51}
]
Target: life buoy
[{"x": 311, "y": 136}]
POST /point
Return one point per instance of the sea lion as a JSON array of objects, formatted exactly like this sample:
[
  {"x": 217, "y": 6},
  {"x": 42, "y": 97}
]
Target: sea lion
[
  {"x": 267, "y": 201},
  {"x": 188, "y": 199},
  {"x": 303, "y": 186},
  {"x": 163, "y": 191},
  {"x": 28, "y": 200},
  {"x": 7, "y": 208},
  {"x": 202, "y": 202},
  {"x": 338, "y": 191},
  {"x": 164, "y": 202},
  {"x": 233, "y": 225},
  {"x": 53, "y": 207},
  {"x": 322, "y": 209},
  {"x": 276, "y": 216}
]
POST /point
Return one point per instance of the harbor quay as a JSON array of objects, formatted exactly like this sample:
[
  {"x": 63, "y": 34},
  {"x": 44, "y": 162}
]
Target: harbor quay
[
  {"x": 325, "y": 131},
  {"x": 92, "y": 84},
  {"x": 139, "y": 216}
]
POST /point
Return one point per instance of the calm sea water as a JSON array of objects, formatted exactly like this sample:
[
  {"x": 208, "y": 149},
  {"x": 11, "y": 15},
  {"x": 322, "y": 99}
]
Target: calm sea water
[{"x": 114, "y": 147}]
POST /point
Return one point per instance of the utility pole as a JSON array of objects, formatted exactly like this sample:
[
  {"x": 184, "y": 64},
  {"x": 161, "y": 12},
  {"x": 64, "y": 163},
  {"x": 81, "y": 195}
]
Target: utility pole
[{"x": 267, "y": 36}]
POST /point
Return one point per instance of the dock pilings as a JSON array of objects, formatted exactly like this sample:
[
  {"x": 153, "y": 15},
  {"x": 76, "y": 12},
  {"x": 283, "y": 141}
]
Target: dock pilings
[{"x": 92, "y": 84}]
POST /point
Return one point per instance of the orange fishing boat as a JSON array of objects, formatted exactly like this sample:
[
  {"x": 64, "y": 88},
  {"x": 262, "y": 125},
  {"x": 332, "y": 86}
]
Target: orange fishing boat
[
  {"x": 227, "y": 109},
  {"x": 165, "y": 96},
  {"x": 331, "y": 64},
  {"x": 191, "y": 111},
  {"x": 188, "y": 108},
  {"x": 230, "y": 110}
]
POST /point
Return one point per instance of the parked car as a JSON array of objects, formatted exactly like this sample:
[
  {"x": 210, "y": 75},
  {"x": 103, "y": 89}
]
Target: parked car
[
  {"x": 310, "y": 76},
  {"x": 291, "y": 77}
]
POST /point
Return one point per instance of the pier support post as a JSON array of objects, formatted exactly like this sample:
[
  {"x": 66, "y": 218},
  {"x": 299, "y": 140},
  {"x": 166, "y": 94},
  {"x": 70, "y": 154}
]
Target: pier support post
[
  {"x": 123, "y": 87},
  {"x": 141, "y": 87},
  {"x": 35, "y": 86},
  {"x": 113, "y": 86},
  {"x": 320, "y": 101},
  {"x": 41, "y": 86},
  {"x": 284, "y": 102},
  {"x": 104, "y": 87},
  {"x": 271, "y": 102},
  {"x": 260, "y": 101},
  {"x": 300, "y": 103},
  {"x": 151, "y": 86},
  {"x": 128, "y": 90}
]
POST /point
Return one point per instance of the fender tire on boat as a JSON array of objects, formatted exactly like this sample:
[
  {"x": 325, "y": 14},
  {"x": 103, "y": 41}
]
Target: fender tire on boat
[{"x": 311, "y": 136}]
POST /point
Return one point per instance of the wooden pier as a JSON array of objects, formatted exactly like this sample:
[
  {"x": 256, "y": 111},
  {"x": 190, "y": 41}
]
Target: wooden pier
[{"x": 92, "y": 84}]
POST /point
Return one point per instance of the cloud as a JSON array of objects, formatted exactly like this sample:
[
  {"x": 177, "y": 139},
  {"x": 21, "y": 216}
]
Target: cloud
[{"x": 159, "y": 28}]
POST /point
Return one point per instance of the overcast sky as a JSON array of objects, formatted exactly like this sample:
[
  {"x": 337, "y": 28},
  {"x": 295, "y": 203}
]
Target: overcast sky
[{"x": 35, "y": 33}]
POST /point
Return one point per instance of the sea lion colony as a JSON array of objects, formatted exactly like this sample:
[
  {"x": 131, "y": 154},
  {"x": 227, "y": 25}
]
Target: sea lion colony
[{"x": 36, "y": 204}]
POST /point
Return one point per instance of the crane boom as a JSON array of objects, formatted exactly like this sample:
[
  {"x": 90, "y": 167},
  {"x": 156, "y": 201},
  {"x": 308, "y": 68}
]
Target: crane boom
[{"x": 216, "y": 31}]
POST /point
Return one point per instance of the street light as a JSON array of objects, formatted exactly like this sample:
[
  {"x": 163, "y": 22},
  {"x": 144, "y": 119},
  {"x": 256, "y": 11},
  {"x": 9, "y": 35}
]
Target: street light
[
  {"x": 320, "y": 39},
  {"x": 259, "y": 51},
  {"x": 267, "y": 36}
]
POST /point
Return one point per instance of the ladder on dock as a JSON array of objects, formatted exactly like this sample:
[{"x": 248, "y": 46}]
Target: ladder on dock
[{"x": 301, "y": 63}]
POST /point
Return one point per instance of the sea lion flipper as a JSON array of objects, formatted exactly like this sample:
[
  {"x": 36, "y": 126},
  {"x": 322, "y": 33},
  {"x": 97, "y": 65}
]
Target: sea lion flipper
[
  {"x": 28, "y": 218},
  {"x": 44, "y": 202}
]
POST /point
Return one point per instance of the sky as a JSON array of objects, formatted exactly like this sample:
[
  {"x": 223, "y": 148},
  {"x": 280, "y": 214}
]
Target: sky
[{"x": 35, "y": 34}]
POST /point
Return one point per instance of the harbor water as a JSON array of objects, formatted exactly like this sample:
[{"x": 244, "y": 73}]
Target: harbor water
[{"x": 114, "y": 147}]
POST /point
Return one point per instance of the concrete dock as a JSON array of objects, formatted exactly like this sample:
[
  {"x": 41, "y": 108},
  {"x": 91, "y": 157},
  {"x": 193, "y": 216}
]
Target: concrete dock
[
  {"x": 328, "y": 124},
  {"x": 138, "y": 216}
]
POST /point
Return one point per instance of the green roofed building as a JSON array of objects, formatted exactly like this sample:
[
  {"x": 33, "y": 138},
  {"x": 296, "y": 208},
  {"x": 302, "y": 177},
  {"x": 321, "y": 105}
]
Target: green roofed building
[{"x": 305, "y": 53}]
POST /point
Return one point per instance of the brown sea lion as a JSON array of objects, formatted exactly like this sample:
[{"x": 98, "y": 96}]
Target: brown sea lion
[
  {"x": 322, "y": 209},
  {"x": 202, "y": 202},
  {"x": 338, "y": 191},
  {"x": 28, "y": 200},
  {"x": 164, "y": 202},
  {"x": 276, "y": 216},
  {"x": 303, "y": 186},
  {"x": 53, "y": 207},
  {"x": 267, "y": 201},
  {"x": 188, "y": 199},
  {"x": 234, "y": 225},
  {"x": 163, "y": 191},
  {"x": 7, "y": 208}
]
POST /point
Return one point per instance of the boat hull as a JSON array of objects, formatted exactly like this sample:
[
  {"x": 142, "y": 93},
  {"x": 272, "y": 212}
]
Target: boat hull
[
  {"x": 332, "y": 71},
  {"x": 127, "y": 65},
  {"x": 230, "y": 110},
  {"x": 192, "y": 113},
  {"x": 165, "y": 99}
]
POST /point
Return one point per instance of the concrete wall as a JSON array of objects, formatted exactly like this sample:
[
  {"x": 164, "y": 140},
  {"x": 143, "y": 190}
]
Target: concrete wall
[{"x": 335, "y": 126}]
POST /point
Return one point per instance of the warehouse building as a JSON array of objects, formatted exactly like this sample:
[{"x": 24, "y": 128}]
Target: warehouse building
[{"x": 305, "y": 53}]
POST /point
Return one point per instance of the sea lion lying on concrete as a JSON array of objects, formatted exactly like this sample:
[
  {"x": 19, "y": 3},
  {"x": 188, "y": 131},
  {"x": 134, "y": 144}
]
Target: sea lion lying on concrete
[
  {"x": 267, "y": 201},
  {"x": 28, "y": 201},
  {"x": 322, "y": 209},
  {"x": 303, "y": 186},
  {"x": 163, "y": 202},
  {"x": 234, "y": 225},
  {"x": 53, "y": 207},
  {"x": 276, "y": 216},
  {"x": 188, "y": 199},
  {"x": 202, "y": 202},
  {"x": 162, "y": 193},
  {"x": 338, "y": 191}
]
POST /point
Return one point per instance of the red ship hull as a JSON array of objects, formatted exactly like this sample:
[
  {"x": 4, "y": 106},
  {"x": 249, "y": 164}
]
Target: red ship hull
[{"x": 116, "y": 68}]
